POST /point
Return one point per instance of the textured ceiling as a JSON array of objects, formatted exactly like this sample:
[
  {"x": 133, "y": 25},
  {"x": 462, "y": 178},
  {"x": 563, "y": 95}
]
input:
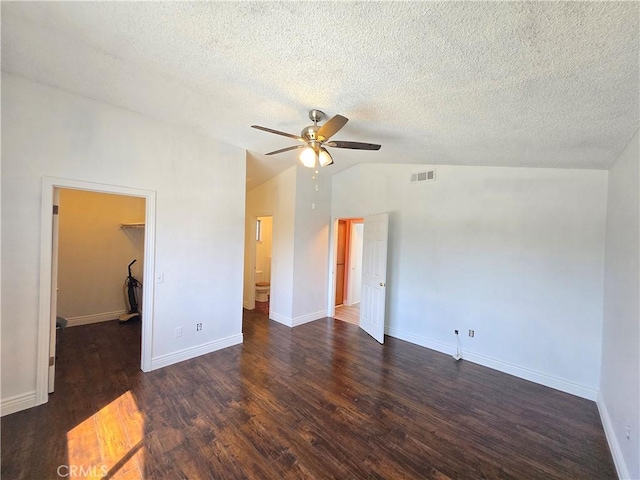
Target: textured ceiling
[{"x": 543, "y": 84}]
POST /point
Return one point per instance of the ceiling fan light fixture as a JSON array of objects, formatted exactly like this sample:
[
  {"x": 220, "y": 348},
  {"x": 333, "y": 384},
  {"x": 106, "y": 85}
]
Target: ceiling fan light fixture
[
  {"x": 308, "y": 157},
  {"x": 324, "y": 158},
  {"x": 313, "y": 137}
]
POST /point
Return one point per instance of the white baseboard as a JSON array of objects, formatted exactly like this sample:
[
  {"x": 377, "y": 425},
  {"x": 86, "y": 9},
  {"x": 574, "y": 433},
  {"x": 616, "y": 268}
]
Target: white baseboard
[
  {"x": 515, "y": 370},
  {"x": 614, "y": 446},
  {"x": 537, "y": 377},
  {"x": 192, "y": 352},
  {"x": 276, "y": 317},
  {"x": 17, "y": 403},
  {"x": 94, "y": 318},
  {"x": 308, "y": 318},
  {"x": 419, "y": 340},
  {"x": 294, "y": 322}
]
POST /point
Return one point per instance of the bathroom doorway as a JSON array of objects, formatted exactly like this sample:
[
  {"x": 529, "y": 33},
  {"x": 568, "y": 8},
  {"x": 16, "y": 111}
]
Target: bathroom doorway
[
  {"x": 348, "y": 268},
  {"x": 262, "y": 275}
]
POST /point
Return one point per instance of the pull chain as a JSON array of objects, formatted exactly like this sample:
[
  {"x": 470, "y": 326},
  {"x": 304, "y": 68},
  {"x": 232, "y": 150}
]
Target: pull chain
[{"x": 315, "y": 177}]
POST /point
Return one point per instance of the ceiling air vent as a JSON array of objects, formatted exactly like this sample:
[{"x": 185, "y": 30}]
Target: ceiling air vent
[{"x": 420, "y": 177}]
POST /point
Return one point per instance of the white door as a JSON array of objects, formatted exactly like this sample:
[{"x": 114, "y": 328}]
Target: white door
[
  {"x": 374, "y": 275},
  {"x": 54, "y": 291}
]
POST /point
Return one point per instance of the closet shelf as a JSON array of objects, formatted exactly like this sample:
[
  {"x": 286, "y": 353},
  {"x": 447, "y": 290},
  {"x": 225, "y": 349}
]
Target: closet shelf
[{"x": 132, "y": 225}]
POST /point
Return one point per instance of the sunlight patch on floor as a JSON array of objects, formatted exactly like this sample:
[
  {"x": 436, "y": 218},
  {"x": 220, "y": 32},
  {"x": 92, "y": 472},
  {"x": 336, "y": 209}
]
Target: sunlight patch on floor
[{"x": 108, "y": 444}]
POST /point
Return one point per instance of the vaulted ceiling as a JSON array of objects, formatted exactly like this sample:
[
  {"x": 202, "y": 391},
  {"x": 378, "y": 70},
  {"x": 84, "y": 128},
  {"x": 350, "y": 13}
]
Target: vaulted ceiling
[{"x": 540, "y": 84}]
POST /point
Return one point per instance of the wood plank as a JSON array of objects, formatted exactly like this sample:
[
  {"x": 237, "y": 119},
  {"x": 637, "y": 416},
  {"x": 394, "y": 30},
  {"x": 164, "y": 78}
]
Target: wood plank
[
  {"x": 321, "y": 400},
  {"x": 350, "y": 314}
]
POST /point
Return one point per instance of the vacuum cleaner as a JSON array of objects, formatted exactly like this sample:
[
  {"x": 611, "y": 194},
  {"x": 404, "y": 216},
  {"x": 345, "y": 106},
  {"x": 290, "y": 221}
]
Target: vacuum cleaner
[{"x": 132, "y": 288}]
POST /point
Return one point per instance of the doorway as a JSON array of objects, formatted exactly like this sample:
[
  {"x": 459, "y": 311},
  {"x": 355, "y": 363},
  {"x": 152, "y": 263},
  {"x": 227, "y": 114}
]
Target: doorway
[
  {"x": 51, "y": 188},
  {"x": 348, "y": 268},
  {"x": 100, "y": 239},
  {"x": 262, "y": 270}
]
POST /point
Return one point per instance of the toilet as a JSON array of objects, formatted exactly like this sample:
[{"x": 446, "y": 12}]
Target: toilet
[{"x": 262, "y": 288}]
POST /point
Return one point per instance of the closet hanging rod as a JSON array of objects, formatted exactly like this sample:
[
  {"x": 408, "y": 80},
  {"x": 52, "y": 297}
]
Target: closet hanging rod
[{"x": 132, "y": 225}]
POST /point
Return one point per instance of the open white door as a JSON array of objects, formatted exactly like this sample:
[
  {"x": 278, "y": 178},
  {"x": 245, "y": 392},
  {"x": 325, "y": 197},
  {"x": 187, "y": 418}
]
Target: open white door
[
  {"x": 374, "y": 275},
  {"x": 54, "y": 290}
]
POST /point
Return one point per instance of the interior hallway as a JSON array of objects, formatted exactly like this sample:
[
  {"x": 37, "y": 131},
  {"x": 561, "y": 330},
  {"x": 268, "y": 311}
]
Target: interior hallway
[{"x": 350, "y": 314}]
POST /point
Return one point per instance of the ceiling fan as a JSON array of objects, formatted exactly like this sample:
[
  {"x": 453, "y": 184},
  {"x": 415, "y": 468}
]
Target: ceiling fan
[{"x": 315, "y": 138}]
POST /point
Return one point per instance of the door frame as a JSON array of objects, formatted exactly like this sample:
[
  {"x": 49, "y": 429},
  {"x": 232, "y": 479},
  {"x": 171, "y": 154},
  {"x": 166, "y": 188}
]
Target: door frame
[
  {"x": 49, "y": 187},
  {"x": 53, "y": 340},
  {"x": 249, "y": 295},
  {"x": 250, "y": 302},
  {"x": 349, "y": 285},
  {"x": 333, "y": 255},
  {"x": 345, "y": 271},
  {"x": 249, "y": 287}
]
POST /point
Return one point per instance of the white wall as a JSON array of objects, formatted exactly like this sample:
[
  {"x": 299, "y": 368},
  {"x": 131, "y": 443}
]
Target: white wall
[
  {"x": 94, "y": 252},
  {"x": 311, "y": 256},
  {"x": 274, "y": 198},
  {"x": 300, "y": 244},
  {"x": 515, "y": 254},
  {"x": 619, "y": 399},
  {"x": 200, "y": 186}
]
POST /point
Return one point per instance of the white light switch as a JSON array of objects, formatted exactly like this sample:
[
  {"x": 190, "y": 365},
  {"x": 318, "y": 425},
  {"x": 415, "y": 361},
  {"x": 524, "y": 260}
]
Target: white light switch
[{"x": 160, "y": 277}]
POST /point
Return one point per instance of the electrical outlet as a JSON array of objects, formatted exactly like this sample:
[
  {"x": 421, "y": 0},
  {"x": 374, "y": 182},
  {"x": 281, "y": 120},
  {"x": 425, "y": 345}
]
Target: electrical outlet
[
  {"x": 178, "y": 332},
  {"x": 472, "y": 333},
  {"x": 628, "y": 432},
  {"x": 198, "y": 327}
]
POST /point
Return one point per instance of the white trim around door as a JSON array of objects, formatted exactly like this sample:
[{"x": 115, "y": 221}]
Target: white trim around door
[{"x": 49, "y": 186}]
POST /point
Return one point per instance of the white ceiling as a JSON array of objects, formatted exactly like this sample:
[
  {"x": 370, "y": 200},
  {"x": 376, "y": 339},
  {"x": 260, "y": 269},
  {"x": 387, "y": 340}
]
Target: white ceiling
[{"x": 542, "y": 84}]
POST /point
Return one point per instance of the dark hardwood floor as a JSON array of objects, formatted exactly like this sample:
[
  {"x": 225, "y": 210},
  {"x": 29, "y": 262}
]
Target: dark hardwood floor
[
  {"x": 322, "y": 400},
  {"x": 262, "y": 307}
]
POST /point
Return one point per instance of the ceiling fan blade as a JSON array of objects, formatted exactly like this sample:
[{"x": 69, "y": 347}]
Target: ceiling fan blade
[
  {"x": 330, "y": 128},
  {"x": 353, "y": 145},
  {"x": 286, "y": 149},
  {"x": 277, "y": 132}
]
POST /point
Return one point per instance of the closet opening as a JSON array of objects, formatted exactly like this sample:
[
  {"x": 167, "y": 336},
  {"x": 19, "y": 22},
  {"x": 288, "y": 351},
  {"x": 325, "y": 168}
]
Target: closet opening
[{"x": 91, "y": 233}]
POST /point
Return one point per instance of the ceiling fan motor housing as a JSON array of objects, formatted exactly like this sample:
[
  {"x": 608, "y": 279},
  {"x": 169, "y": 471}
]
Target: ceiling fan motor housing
[{"x": 310, "y": 133}]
